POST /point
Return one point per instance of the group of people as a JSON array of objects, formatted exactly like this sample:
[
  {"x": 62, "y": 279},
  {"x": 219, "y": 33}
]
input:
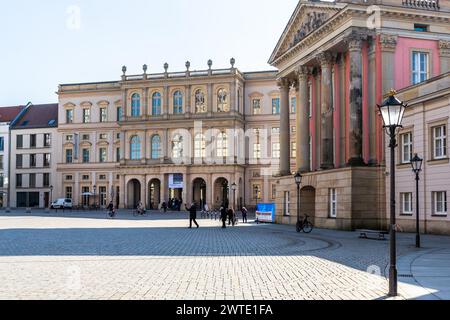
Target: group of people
[{"x": 225, "y": 214}]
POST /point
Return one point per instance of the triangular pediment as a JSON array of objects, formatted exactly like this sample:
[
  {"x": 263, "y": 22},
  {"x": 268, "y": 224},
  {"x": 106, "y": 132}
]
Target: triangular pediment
[{"x": 307, "y": 17}]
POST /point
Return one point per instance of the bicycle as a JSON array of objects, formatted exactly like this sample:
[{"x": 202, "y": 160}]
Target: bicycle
[
  {"x": 111, "y": 214},
  {"x": 139, "y": 213},
  {"x": 304, "y": 225}
]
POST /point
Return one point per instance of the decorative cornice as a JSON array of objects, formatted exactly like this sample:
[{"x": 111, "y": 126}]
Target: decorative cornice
[{"x": 444, "y": 47}]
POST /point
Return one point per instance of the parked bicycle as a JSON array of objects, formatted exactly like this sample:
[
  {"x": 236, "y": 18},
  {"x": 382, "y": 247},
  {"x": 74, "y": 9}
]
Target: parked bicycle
[{"x": 304, "y": 225}]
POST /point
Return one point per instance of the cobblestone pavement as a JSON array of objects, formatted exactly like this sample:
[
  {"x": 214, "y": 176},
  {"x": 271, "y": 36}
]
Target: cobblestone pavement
[{"x": 86, "y": 256}]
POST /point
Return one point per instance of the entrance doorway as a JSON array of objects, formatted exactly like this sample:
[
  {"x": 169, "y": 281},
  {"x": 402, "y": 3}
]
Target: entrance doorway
[
  {"x": 154, "y": 194},
  {"x": 134, "y": 193},
  {"x": 308, "y": 202},
  {"x": 221, "y": 193},
  {"x": 199, "y": 192}
]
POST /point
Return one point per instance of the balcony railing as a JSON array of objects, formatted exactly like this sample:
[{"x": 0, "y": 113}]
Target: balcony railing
[{"x": 422, "y": 4}]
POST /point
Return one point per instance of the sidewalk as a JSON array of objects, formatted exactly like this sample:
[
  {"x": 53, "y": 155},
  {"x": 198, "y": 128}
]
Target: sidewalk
[{"x": 425, "y": 274}]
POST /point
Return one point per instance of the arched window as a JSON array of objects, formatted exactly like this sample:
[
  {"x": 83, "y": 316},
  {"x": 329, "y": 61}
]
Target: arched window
[
  {"x": 156, "y": 147},
  {"x": 200, "y": 106},
  {"x": 177, "y": 102},
  {"x": 156, "y": 104},
  {"x": 135, "y": 148},
  {"x": 222, "y": 145},
  {"x": 177, "y": 146},
  {"x": 199, "y": 146},
  {"x": 222, "y": 101},
  {"x": 135, "y": 105}
]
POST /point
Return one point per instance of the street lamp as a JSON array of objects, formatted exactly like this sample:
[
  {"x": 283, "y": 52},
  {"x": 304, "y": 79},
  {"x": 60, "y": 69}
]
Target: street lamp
[
  {"x": 416, "y": 164},
  {"x": 298, "y": 181},
  {"x": 234, "y": 187},
  {"x": 392, "y": 111},
  {"x": 51, "y": 195},
  {"x": 95, "y": 187}
]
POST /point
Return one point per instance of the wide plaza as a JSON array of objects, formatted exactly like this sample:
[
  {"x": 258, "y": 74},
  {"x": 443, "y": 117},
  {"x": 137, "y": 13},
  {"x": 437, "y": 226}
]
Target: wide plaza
[{"x": 83, "y": 255}]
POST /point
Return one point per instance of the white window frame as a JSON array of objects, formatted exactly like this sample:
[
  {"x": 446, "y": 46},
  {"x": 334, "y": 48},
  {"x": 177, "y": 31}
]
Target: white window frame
[
  {"x": 416, "y": 72},
  {"x": 443, "y": 200},
  {"x": 407, "y": 154},
  {"x": 257, "y": 151},
  {"x": 442, "y": 138},
  {"x": 276, "y": 151},
  {"x": 332, "y": 202},
  {"x": 406, "y": 201}
]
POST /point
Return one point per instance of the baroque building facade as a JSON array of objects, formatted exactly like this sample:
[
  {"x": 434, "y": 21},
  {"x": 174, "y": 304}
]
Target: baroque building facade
[{"x": 185, "y": 135}]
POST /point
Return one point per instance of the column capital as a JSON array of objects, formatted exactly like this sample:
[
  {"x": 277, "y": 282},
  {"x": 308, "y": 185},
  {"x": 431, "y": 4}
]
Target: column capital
[
  {"x": 326, "y": 58},
  {"x": 283, "y": 83},
  {"x": 302, "y": 72},
  {"x": 388, "y": 42}
]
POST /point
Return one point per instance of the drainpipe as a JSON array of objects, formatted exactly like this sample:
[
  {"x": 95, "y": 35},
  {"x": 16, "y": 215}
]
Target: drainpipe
[{"x": 13, "y": 122}]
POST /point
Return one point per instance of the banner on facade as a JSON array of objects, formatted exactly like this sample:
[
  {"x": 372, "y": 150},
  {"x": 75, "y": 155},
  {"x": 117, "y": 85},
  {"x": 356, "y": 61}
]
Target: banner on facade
[
  {"x": 265, "y": 212},
  {"x": 176, "y": 181}
]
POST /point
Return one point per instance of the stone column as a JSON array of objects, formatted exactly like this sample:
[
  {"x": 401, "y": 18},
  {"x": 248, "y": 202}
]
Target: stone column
[
  {"x": 326, "y": 97},
  {"x": 210, "y": 100},
  {"x": 144, "y": 148},
  {"x": 122, "y": 192},
  {"x": 355, "y": 128},
  {"x": 285, "y": 128},
  {"x": 166, "y": 102},
  {"x": 145, "y": 103},
  {"x": 302, "y": 122},
  {"x": 188, "y": 100},
  {"x": 233, "y": 104},
  {"x": 444, "y": 54},
  {"x": 388, "y": 44},
  {"x": 166, "y": 144},
  {"x": 122, "y": 146}
]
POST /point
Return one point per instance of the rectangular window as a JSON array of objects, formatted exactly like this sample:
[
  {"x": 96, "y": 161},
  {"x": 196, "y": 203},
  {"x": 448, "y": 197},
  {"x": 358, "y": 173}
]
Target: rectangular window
[
  {"x": 19, "y": 161},
  {"x": 85, "y": 155},
  {"x": 18, "y": 180},
  {"x": 119, "y": 114},
  {"x": 103, "y": 115},
  {"x": 287, "y": 203},
  {"x": 86, "y": 198},
  {"x": 46, "y": 180},
  {"x": 2, "y": 143},
  {"x": 1, "y": 180},
  {"x": 69, "y": 177},
  {"x": 440, "y": 203},
  {"x": 32, "y": 161},
  {"x": 276, "y": 150},
  {"x": 102, "y": 177},
  {"x": 85, "y": 137},
  {"x": 293, "y": 104},
  {"x": 439, "y": 142},
  {"x": 406, "y": 201},
  {"x": 85, "y": 177},
  {"x": 275, "y": 130},
  {"x": 294, "y": 150},
  {"x": 1, "y": 161},
  {"x": 256, "y": 103},
  {"x": 407, "y": 147},
  {"x": 102, "y": 154},
  {"x": 274, "y": 191},
  {"x": 256, "y": 150},
  {"x": 256, "y": 192},
  {"x": 117, "y": 154},
  {"x": 32, "y": 182},
  {"x": 276, "y": 106},
  {"x": 47, "y": 157},
  {"x": 32, "y": 141},
  {"x": 86, "y": 115},
  {"x": 47, "y": 140},
  {"x": 69, "y": 138},
  {"x": 332, "y": 202},
  {"x": 118, "y": 135},
  {"x": 420, "y": 27},
  {"x": 69, "y": 156},
  {"x": 103, "y": 136},
  {"x": 69, "y": 192},
  {"x": 420, "y": 67},
  {"x": 19, "y": 141},
  {"x": 69, "y": 116}
]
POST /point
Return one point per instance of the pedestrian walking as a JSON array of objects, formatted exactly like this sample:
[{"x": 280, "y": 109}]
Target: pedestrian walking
[
  {"x": 231, "y": 217},
  {"x": 244, "y": 214},
  {"x": 223, "y": 216},
  {"x": 192, "y": 215},
  {"x": 164, "y": 206}
]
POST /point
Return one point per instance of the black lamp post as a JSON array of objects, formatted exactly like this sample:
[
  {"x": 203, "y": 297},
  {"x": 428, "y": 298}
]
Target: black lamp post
[
  {"x": 95, "y": 188},
  {"x": 392, "y": 111},
  {"x": 298, "y": 181},
  {"x": 416, "y": 164},
  {"x": 51, "y": 196},
  {"x": 234, "y": 187}
]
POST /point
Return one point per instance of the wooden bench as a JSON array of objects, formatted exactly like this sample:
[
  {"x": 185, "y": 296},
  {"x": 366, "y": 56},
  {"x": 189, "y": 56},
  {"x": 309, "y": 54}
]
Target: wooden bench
[{"x": 380, "y": 235}]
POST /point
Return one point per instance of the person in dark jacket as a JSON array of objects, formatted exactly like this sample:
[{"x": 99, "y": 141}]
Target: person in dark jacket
[
  {"x": 244, "y": 214},
  {"x": 192, "y": 215},
  {"x": 223, "y": 216},
  {"x": 231, "y": 217}
]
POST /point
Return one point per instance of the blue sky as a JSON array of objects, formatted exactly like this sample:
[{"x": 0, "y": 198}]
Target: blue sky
[{"x": 43, "y": 45}]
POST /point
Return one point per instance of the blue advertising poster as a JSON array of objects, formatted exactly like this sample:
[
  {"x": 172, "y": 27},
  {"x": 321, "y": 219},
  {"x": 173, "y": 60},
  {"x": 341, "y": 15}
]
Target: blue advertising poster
[{"x": 265, "y": 212}]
